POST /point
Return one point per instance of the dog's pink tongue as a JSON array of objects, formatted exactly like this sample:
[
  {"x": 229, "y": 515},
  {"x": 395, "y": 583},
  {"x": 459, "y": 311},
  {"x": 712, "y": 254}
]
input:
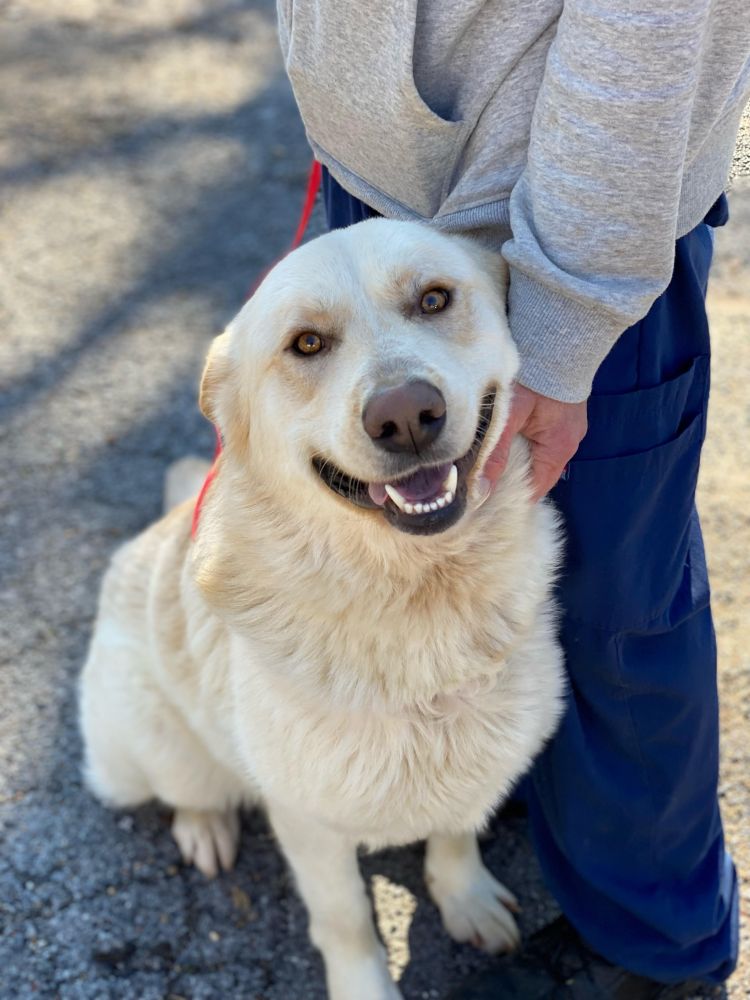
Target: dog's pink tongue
[
  {"x": 377, "y": 493},
  {"x": 422, "y": 485}
]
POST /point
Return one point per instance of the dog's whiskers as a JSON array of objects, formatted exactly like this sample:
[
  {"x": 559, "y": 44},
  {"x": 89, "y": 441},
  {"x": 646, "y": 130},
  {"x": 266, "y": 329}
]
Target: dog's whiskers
[{"x": 347, "y": 486}]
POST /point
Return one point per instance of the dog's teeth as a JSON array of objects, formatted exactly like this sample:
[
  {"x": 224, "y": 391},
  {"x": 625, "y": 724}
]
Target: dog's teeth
[
  {"x": 451, "y": 481},
  {"x": 403, "y": 505},
  {"x": 394, "y": 494}
]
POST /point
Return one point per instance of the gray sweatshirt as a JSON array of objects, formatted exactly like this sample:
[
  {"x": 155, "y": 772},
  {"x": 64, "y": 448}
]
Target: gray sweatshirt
[{"x": 582, "y": 136}]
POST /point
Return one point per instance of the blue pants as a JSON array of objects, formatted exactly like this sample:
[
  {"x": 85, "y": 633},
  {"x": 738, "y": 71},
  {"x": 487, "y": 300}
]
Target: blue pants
[{"x": 623, "y": 801}]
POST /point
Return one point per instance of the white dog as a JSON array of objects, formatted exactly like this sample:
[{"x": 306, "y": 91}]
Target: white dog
[{"x": 352, "y": 639}]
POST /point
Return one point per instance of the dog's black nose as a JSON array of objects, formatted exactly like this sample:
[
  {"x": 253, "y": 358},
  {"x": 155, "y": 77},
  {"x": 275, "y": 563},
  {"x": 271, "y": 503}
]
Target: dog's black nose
[{"x": 407, "y": 418}]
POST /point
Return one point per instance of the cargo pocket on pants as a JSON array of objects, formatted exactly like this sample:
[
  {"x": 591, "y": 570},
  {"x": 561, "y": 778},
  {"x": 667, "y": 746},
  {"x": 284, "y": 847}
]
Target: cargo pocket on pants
[{"x": 634, "y": 553}]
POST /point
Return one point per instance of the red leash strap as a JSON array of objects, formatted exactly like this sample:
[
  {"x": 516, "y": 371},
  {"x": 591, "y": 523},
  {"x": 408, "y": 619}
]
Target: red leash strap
[
  {"x": 204, "y": 489},
  {"x": 313, "y": 186}
]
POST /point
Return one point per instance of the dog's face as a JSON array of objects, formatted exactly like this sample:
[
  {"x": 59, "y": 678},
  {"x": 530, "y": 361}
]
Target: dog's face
[{"x": 372, "y": 368}]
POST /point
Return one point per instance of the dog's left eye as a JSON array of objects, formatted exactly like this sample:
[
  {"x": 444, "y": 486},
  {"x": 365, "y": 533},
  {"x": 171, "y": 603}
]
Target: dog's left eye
[
  {"x": 435, "y": 300},
  {"x": 308, "y": 343}
]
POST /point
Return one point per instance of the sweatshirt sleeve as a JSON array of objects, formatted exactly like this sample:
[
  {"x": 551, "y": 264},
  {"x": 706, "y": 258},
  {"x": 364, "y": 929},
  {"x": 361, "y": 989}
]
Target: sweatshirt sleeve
[{"x": 594, "y": 213}]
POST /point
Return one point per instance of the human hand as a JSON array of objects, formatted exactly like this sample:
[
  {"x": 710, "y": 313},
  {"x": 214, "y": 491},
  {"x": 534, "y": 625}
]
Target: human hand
[{"x": 553, "y": 429}]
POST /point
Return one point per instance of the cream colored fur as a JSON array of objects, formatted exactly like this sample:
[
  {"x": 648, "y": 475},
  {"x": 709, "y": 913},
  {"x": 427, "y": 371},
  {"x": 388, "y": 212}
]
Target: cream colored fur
[{"x": 366, "y": 685}]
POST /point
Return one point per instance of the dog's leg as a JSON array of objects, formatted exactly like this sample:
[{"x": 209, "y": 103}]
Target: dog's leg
[
  {"x": 207, "y": 838},
  {"x": 341, "y": 925},
  {"x": 473, "y": 904}
]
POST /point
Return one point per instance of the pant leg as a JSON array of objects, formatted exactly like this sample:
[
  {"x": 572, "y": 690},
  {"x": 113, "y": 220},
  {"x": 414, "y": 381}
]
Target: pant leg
[
  {"x": 342, "y": 208},
  {"x": 623, "y": 802}
]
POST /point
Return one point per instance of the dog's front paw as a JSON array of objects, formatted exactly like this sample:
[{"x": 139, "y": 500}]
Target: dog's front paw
[
  {"x": 358, "y": 981},
  {"x": 207, "y": 838},
  {"x": 477, "y": 910}
]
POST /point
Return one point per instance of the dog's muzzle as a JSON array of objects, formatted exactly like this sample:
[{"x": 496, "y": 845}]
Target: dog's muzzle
[{"x": 425, "y": 502}]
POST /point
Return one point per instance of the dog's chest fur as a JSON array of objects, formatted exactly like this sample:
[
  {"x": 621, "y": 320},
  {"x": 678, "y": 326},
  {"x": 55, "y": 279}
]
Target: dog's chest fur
[
  {"x": 392, "y": 776},
  {"x": 393, "y": 704}
]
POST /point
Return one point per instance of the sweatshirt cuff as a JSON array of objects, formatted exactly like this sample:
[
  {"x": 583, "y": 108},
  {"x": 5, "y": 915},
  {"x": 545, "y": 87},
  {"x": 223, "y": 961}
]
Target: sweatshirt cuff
[{"x": 561, "y": 341}]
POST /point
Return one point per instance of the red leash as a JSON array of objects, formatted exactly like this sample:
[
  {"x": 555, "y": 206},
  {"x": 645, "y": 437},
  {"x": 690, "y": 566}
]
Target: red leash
[
  {"x": 313, "y": 186},
  {"x": 204, "y": 489}
]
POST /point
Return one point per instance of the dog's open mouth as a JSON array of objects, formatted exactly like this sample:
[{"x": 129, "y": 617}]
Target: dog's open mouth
[{"x": 424, "y": 502}]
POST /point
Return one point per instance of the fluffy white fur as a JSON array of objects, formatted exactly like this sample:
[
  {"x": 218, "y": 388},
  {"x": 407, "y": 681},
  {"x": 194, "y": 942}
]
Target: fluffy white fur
[{"x": 368, "y": 686}]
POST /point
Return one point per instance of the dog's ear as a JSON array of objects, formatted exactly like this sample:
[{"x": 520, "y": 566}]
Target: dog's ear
[
  {"x": 215, "y": 374},
  {"x": 494, "y": 266},
  {"x": 221, "y": 399}
]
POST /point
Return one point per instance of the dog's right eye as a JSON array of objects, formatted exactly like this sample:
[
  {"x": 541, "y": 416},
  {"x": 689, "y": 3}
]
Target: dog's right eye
[
  {"x": 308, "y": 343},
  {"x": 434, "y": 300}
]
